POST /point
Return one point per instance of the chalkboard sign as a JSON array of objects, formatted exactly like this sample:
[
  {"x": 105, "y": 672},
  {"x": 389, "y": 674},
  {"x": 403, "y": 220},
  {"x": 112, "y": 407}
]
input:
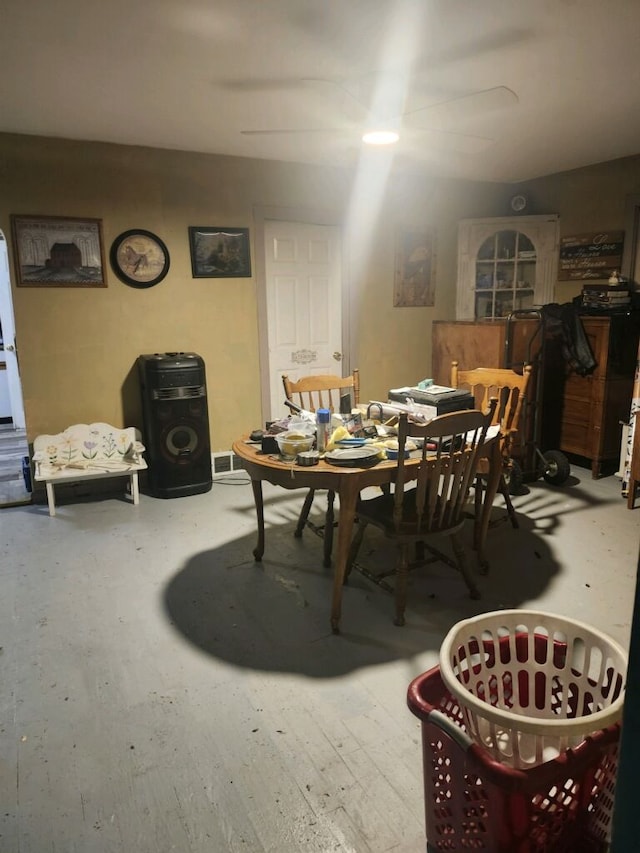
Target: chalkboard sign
[{"x": 590, "y": 256}]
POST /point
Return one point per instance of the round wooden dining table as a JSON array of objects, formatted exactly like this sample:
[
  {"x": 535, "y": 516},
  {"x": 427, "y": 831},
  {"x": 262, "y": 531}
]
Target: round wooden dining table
[{"x": 347, "y": 483}]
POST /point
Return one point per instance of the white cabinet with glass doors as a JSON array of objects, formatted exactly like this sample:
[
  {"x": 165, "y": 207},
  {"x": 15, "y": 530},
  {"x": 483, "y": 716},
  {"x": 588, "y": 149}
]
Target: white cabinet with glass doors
[{"x": 505, "y": 264}]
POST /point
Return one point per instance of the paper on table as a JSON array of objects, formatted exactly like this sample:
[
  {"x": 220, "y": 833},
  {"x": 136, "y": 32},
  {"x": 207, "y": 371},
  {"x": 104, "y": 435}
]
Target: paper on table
[
  {"x": 432, "y": 390},
  {"x": 492, "y": 432},
  {"x": 418, "y": 411}
]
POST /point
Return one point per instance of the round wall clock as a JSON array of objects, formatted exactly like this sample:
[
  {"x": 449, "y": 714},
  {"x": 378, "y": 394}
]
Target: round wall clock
[
  {"x": 139, "y": 258},
  {"x": 518, "y": 203}
]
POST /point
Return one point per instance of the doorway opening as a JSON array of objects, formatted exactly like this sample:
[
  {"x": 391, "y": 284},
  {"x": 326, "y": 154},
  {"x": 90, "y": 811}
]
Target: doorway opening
[{"x": 15, "y": 475}]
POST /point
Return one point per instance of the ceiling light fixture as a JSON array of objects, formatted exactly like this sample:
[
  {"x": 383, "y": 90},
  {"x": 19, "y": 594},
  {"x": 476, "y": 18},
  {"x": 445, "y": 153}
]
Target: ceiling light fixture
[{"x": 380, "y": 137}]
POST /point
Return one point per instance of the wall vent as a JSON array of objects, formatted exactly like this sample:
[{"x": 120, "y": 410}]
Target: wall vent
[{"x": 225, "y": 462}]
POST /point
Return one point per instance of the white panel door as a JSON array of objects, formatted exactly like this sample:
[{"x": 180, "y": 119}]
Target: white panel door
[
  {"x": 14, "y": 386},
  {"x": 304, "y": 303}
]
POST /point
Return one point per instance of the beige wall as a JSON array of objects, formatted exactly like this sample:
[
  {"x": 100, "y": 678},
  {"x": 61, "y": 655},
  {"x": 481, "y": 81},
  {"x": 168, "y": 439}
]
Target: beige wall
[
  {"x": 78, "y": 347},
  {"x": 589, "y": 199}
]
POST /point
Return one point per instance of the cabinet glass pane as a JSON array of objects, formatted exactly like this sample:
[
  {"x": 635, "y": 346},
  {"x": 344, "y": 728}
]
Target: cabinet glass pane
[
  {"x": 503, "y": 305},
  {"x": 484, "y": 277},
  {"x": 524, "y": 299},
  {"x": 526, "y": 249},
  {"x": 525, "y": 272},
  {"x": 506, "y": 244},
  {"x": 505, "y": 274},
  {"x": 487, "y": 251},
  {"x": 484, "y": 305}
]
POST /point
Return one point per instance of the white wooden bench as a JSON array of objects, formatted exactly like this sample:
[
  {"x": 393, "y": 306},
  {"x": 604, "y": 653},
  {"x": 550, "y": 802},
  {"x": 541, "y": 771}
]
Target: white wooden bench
[{"x": 88, "y": 452}]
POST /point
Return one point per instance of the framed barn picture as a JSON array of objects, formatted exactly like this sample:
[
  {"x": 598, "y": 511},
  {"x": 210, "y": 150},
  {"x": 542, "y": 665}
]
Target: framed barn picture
[{"x": 58, "y": 251}]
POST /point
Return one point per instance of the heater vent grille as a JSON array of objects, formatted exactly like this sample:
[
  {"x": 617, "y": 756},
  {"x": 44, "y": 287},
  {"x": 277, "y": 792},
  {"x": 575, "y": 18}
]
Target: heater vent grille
[{"x": 225, "y": 463}]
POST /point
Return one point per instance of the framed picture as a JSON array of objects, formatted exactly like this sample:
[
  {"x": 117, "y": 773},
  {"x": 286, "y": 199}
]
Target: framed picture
[
  {"x": 58, "y": 251},
  {"x": 414, "y": 280},
  {"x": 139, "y": 258},
  {"x": 219, "y": 252}
]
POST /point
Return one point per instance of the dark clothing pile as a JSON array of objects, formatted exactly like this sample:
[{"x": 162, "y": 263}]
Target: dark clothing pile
[{"x": 563, "y": 322}]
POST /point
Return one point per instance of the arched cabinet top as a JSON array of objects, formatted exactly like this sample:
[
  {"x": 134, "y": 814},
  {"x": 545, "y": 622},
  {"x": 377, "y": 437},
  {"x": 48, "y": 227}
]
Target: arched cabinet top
[{"x": 505, "y": 264}]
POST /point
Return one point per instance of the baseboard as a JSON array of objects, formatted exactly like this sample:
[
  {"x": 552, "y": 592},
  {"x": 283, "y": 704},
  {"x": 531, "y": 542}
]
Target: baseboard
[{"x": 225, "y": 462}]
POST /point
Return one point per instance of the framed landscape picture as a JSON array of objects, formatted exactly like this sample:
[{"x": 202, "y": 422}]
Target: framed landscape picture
[
  {"x": 58, "y": 251},
  {"x": 414, "y": 280},
  {"x": 219, "y": 252}
]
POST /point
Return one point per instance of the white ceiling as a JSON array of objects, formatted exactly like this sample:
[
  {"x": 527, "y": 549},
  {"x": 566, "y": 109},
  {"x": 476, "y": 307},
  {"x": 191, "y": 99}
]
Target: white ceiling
[{"x": 193, "y": 74}]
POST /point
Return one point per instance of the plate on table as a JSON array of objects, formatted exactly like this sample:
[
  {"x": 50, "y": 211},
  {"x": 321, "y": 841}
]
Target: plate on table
[{"x": 353, "y": 457}]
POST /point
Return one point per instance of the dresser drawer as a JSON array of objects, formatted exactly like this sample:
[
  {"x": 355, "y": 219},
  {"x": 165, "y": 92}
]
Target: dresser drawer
[
  {"x": 578, "y": 438},
  {"x": 576, "y": 411},
  {"x": 579, "y": 386}
]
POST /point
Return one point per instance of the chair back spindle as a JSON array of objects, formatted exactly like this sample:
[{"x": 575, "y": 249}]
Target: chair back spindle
[
  {"x": 451, "y": 445},
  {"x": 510, "y": 389},
  {"x": 431, "y": 499},
  {"x": 507, "y": 386},
  {"x": 322, "y": 391}
]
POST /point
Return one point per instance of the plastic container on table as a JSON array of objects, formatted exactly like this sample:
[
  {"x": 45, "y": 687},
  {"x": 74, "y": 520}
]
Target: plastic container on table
[
  {"x": 473, "y": 802},
  {"x": 323, "y": 429}
]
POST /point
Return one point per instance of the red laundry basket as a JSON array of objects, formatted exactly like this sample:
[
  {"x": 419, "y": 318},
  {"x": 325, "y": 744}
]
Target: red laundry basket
[{"x": 473, "y": 802}]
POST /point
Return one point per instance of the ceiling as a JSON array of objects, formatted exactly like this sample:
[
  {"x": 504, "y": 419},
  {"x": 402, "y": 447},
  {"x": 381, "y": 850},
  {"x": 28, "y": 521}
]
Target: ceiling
[{"x": 559, "y": 79}]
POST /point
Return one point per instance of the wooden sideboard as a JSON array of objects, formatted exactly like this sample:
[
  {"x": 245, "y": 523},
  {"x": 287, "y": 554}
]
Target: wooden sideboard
[
  {"x": 593, "y": 406},
  {"x": 579, "y": 415},
  {"x": 480, "y": 343}
]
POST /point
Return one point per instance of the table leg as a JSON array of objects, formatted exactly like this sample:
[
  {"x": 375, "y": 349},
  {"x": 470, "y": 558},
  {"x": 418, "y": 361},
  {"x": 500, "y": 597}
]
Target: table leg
[
  {"x": 328, "y": 529},
  {"x": 258, "y": 551},
  {"x": 348, "y": 492},
  {"x": 493, "y": 481}
]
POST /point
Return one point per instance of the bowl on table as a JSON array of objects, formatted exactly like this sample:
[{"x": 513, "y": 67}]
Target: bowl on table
[
  {"x": 392, "y": 451},
  {"x": 292, "y": 443}
]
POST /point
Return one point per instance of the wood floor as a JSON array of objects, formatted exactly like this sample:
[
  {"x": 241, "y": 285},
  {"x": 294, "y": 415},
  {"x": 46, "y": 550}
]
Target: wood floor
[{"x": 162, "y": 692}]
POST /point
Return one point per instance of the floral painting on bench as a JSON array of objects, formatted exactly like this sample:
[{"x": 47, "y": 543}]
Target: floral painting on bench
[
  {"x": 88, "y": 452},
  {"x": 116, "y": 445}
]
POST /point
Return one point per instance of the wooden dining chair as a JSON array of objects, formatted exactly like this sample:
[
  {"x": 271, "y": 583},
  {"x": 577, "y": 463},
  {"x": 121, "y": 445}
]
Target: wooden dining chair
[
  {"x": 322, "y": 391},
  {"x": 510, "y": 389},
  {"x": 427, "y": 499}
]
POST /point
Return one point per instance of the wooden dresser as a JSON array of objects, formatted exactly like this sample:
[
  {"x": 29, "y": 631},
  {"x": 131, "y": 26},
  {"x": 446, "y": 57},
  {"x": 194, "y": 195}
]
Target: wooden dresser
[
  {"x": 594, "y": 405},
  {"x": 480, "y": 343},
  {"x": 579, "y": 415}
]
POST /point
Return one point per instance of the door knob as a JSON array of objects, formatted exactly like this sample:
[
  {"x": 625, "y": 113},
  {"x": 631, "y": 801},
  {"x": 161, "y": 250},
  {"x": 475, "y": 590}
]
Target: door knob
[
  {"x": 337, "y": 356},
  {"x": 10, "y": 348}
]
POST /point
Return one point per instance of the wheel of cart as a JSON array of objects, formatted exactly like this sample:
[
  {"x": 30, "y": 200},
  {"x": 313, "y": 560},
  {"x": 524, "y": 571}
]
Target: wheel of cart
[{"x": 552, "y": 465}]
